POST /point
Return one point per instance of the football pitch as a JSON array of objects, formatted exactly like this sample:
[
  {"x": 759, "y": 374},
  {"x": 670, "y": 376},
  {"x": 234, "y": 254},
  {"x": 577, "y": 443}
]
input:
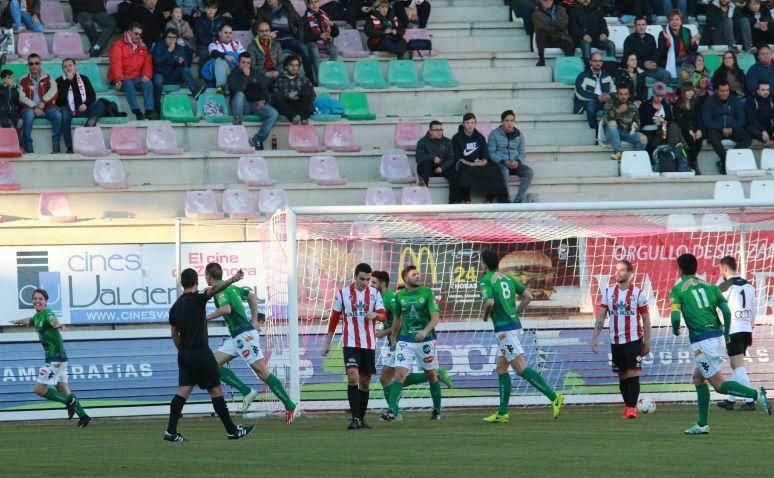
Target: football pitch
[{"x": 584, "y": 441}]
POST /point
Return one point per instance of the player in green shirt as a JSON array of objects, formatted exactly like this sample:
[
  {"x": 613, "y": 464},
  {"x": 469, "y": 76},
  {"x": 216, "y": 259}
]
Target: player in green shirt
[
  {"x": 51, "y": 382},
  {"x": 499, "y": 291},
  {"x": 697, "y": 302},
  {"x": 244, "y": 341}
]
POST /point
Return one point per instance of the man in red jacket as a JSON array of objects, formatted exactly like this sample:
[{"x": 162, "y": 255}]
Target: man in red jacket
[
  {"x": 37, "y": 95},
  {"x": 131, "y": 69}
]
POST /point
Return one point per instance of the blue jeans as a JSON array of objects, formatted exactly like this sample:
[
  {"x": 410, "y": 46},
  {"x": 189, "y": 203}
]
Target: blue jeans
[
  {"x": 660, "y": 74},
  {"x": 240, "y": 107},
  {"x": 524, "y": 172},
  {"x": 18, "y": 16},
  {"x": 130, "y": 85},
  {"x": 314, "y": 53},
  {"x": 682, "y": 5},
  {"x": 52, "y": 115},
  {"x": 95, "y": 110},
  {"x": 299, "y": 48},
  {"x": 616, "y": 135},
  {"x": 606, "y": 45},
  {"x": 178, "y": 75},
  {"x": 592, "y": 108}
]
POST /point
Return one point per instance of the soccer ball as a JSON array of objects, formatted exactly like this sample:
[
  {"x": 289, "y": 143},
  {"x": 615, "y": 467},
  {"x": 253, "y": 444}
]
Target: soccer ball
[{"x": 646, "y": 405}]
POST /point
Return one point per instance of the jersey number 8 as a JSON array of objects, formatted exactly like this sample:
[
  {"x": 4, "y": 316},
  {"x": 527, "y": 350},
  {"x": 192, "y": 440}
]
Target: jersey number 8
[{"x": 506, "y": 290}]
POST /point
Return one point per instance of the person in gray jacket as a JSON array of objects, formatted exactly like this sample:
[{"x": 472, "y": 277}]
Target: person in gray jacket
[
  {"x": 435, "y": 158},
  {"x": 250, "y": 96},
  {"x": 507, "y": 148}
]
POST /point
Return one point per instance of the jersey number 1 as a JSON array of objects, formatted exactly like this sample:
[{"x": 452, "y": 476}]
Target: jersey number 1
[{"x": 701, "y": 298}]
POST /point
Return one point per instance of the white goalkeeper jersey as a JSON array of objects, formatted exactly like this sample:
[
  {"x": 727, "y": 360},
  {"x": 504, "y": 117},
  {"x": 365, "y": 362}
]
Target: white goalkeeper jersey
[
  {"x": 624, "y": 307},
  {"x": 740, "y": 296},
  {"x": 353, "y": 306}
]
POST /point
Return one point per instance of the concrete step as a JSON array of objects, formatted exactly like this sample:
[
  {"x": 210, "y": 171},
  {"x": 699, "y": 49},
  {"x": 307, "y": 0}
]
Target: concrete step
[{"x": 472, "y": 13}]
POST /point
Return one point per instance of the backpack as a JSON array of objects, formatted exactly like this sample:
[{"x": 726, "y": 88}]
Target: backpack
[{"x": 668, "y": 159}]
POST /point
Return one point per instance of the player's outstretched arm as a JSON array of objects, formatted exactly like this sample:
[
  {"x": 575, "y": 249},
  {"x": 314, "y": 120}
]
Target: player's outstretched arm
[
  {"x": 23, "y": 322},
  {"x": 599, "y": 324},
  {"x": 211, "y": 291},
  {"x": 526, "y": 298}
]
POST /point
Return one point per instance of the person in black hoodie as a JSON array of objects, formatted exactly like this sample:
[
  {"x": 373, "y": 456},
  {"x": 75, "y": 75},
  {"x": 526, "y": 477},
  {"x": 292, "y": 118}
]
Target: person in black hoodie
[
  {"x": 76, "y": 98},
  {"x": 588, "y": 29},
  {"x": 474, "y": 169},
  {"x": 759, "y": 110},
  {"x": 9, "y": 103},
  {"x": 435, "y": 157}
]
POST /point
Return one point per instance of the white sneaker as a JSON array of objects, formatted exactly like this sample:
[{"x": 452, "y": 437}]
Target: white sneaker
[{"x": 248, "y": 400}]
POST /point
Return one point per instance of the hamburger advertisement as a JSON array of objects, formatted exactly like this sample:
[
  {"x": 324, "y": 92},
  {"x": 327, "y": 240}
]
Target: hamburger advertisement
[{"x": 534, "y": 269}]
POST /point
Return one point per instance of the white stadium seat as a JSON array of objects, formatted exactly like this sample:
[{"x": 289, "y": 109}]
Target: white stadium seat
[
  {"x": 741, "y": 162},
  {"x": 681, "y": 222},
  {"x": 636, "y": 164},
  {"x": 716, "y": 223},
  {"x": 728, "y": 191},
  {"x": 762, "y": 189}
]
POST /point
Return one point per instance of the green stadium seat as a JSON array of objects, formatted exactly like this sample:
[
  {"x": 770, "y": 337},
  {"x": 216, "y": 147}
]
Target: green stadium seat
[
  {"x": 567, "y": 69},
  {"x": 18, "y": 69},
  {"x": 92, "y": 71},
  {"x": 333, "y": 75},
  {"x": 403, "y": 74},
  {"x": 53, "y": 68},
  {"x": 355, "y": 105},
  {"x": 745, "y": 61},
  {"x": 437, "y": 72},
  {"x": 712, "y": 63},
  {"x": 218, "y": 99},
  {"x": 368, "y": 74},
  {"x": 113, "y": 120},
  {"x": 177, "y": 109},
  {"x": 170, "y": 88}
]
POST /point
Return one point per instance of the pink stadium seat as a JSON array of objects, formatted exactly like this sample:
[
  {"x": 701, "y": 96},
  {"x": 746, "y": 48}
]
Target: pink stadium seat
[
  {"x": 202, "y": 205},
  {"x": 350, "y": 45},
  {"x": 407, "y": 133},
  {"x": 258, "y": 3},
  {"x": 9, "y": 143},
  {"x": 8, "y": 178},
  {"x": 32, "y": 42},
  {"x": 89, "y": 142},
  {"x": 269, "y": 200},
  {"x": 110, "y": 174},
  {"x": 324, "y": 170},
  {"x": 418, "y": 34},
  {"x": 484, "y": 127},
  {"x": 300, "y": 6},
  {"x": 233, "y": 140},
  {"x": 245, "y": 37},
  {"x": 55, "y": 207},
  {"x": 253, "y": 171},
  {"x": 339, "y": 137},
  {"x": 379, "y": 197},
  {"x": 125, "y": 140},
  {"x": 395, "y": 168},
  {"x": 68, "y": 45},
  {"x": 112, "y": 6},
  {"x": 415, "y": 195},
  {"x": 238, "y": 204},
  {"x": 161, "y": 139},
  {"x": 303, "y": 138},
  {"x": 52, "y": 16}
]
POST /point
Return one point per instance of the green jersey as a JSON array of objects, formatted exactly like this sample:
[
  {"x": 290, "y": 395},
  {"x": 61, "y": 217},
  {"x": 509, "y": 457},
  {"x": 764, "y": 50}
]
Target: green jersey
[
  {"x": 415, "y": 308},
  {"x": 388, "y": 299},
  {"x": 50, "y": 338},
  {"x": 237, "y": 321},
  {"x": 698, "y": 301},
  {"x": 503, "y": 289}
]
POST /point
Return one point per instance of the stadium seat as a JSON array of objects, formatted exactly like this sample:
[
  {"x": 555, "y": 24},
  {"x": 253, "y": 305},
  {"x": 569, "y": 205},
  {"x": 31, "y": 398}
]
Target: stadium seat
[
  {"x": 745, "y": 61},
  {"x": 418, "y": 34},
  {"x": 767, "y": 160},
  {"x": 438, "y": 73},
  {"x": 303, "y": 138},
  {"x": 92, "y": 71},
  {"x": 178, "y": 109},
  {"x": 269, "y": 200},
  {"x": 714, "y": 222},
  {"x": 218, "y": 100},
  {"x": 333, "y": 75},
  {"x": 681, "y": 222},
  {"x": 52, "y": 16},
  {"x": 253, "y": 171},
  {"x": 245, "y": 37},
  {"x": 299, "y": 6},
  {"x": 68, "y": 45},
  {"x": 111, "y": 6},
  {"x": 340, "y": 138},
  {"x": 110, "y": 174},
  {"x": 355, "y": 105},
  {"x": 238, "y": 203},
  {"x": 161, "y": 139},
  {"x": 55, "y": 207},
  {"x": 728, "y": 191},
  {"x": 233, "y": 139},
  {"x": 567, "y": 69},
  {"x": 368, "y": 74},
  {"x": 350, "y": 44},
  {"x": 407, "y": 133},
  {"x": 379, "y": 197},
  {"x": 19, "y": 69},
  {"x": 636, "y": 164},
  {"x": 117, "y": 119},
  {"x": 8, "y": 177},
  {"x": 32, "y": 42},
  {"x": 395, "y": 168},
  {"x": 712, "y": 62},
  {"x": 202, "y": 205},
  {"x": 324, "y": 170},
  {"x": 618, "y": 34},
  {"x": 126, "y": 141},
  {"x": 760, "y": 189},
  {"x": 403, "y": 74},
  {"x": 9, "y": 143},
  {"x": 89, "y": 142},
  {"x": 415, "y": 195},
  {"x": 655, "y": 30},
  {"x": 741, "y": 162},
  {"x": 485, "y": 127}
]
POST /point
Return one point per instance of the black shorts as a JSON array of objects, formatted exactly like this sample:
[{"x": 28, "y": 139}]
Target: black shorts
[
  {"x": 198, "y": 367},
  {"x": 627, "y": 356},
  {"x": 738, "y": 343},
  {"x": 363, "y": 359}
]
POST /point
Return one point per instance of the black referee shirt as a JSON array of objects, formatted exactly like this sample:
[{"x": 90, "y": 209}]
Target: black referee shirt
[{"x": 188, "y": 314}]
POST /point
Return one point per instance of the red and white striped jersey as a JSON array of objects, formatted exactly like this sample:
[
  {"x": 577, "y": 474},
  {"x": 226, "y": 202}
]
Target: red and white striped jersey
[
  {"x": 352, "y": 306},
  {"x": 624, "y": 307}
]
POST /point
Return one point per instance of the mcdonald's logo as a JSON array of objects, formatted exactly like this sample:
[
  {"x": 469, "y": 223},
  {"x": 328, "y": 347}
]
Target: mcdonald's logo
[{"x": 416, "y": 258}]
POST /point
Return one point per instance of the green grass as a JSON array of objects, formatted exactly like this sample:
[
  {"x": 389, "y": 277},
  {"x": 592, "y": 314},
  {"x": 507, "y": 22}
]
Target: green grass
[{"x": 585, "y": 441}]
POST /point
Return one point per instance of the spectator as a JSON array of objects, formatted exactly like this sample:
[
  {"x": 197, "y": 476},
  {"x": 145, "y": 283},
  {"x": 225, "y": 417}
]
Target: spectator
[
  {"x": 730, "y": 72},
  {"x": 694, "y": 72},
  {"x": 192, "y": 9},
  {"x": 37, "y": 95},
  {"x": 152, "y": 16},
  {"x": 9, "y": 103},
  {"x": 76, "y": 99},
  {"x": 265, "y": 52},
  {"x": 675, "y": 44},
  {"x": 224, "y": 54},
  {"x": 688, "y": 116},
  {"x": 249, "y": 96},
  {"x": 185, "y": 33},
  {"x": 760, "y": 115},
  {"x": 474, "y": 168},
  {"x": 723, "y": 117},
  {"x": 589, "y": 29},
  {"x": 642, "y": 44},
  {"x": 523, "y": 9},
  {"x": 719, "y": 29},
  {"x": 131, "y": 69},
  {"x": 319, "y": 31},
  {"x": 657, "y": 120},
  {"x": 239, "y": 13},
  {"x": 622, "y": 122},
  {"x": 643, "y": 9},
  {"x": 507, "y": 147},
  {"x": 679, "y": 5},
  {"x": 754, "y": 23},
  {"x": 89, "y": 14},
  {"x": 630, "y": 74},
  {"x": 550, "y": 22},
  {"x": 385, "y": 31},
  {"x": 763, "y": 70},
  {"x": 357, "y": 10},
  {"x": 422, "y": 7},
  {"x": 435, "y": 158},
  {"x": 171, "y": 66},
  {"x": 22, "y": 18},
  {"x": 593, "y": 88},
  {"x": 206, "y": 28},
  {"x": 289, "y": 27},
  {"x": 293, "y": 95}
]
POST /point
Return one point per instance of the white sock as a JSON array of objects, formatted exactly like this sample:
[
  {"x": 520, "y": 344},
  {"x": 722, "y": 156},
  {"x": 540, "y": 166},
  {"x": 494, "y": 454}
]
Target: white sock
[{"x": 740, "y": 375}]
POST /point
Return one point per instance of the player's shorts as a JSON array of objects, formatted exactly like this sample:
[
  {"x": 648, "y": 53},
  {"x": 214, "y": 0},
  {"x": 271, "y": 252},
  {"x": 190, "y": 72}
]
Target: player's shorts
[
  {"x": 363, "y": 359},
  {"x": 387, "y": 356},
  {"x": 52, "y": 373},
  {"x": 198, "y": 368},
  {"x": 627, "y": 356},
  {"x": 423, "y": 353},
  {"x": 246, "y": 345},
  {"x": 709, "y": 355},
  {"x": 738, "y": 343},
  {"x": 509, "y": 344}
]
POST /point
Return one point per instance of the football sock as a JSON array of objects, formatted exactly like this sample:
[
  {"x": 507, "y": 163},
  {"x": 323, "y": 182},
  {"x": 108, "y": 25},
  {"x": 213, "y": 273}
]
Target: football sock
[
  {"x": 634, "y": 390},
  {"x": 435, "y": 393},
  {"x": 740, "y": 375},
  {"x": 229, "y": 378},
  {"x": 623, "y": 387},
  {"x": 363, "y": 396},
  {"x": 703, "y": 395},
  {"x": 279, "y": 391},
  {"x": 536, "y": 380},
  {"x": 386, "y": 391},
  {"x": 219, "y": 404},
  {"x": 505, "y": 392},
  {"x": 414, "y": 378},
  {"x": 730, "y": 387},
  {"x": 175, "y": 410},
  {"x": 56, "y": 396},
  {"x": 78, "y": 408},
  {"x": 354, "y": 400},
  {"x": 395, "y": 390}
]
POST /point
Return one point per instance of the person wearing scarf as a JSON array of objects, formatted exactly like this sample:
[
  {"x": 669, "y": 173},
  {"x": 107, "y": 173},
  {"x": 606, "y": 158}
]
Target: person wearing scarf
[
  {"x": 675, "y": 44},
  {"x": 319, "y": 32},
  {"x": 384, "y": 30},
  {"x": 131, "y": 69},
  {"x": 76, "y": 99}
]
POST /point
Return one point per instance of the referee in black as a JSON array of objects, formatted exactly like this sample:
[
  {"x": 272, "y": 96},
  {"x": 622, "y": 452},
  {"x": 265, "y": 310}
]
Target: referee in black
[{"x": 194, "y": 358}]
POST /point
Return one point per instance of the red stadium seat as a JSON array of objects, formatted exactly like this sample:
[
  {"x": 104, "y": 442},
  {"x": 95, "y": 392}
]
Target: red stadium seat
[
  {"x": 303, "y": 138},
  {"x": 415, "y": 195},
  {"x": 110, "y": 174},
  {"x": 55, "y": 207},
  {"x": 324, "y": 170},
  {"x": 9, "y": 143},
  {"x": 269, "y": 200},
  {"x": 125, "y": 140},
  {"x": 89, "y": 142},
  {"x": 68, "y": 45},
  {"x": 233, "y": 140},
  {"x": 407, "y": 133},
  {"x": 339, "y": 137},
  {"x": 253, "y": 171},
  {"x": 238, "y": 204},
  {"x": 52, "y": 16},
  {"x": 202, "y": 205},
  {"x": 395, "y": 168},
  {"x": 32, "y": 42},
  {"x": 350, "y": 44},
  {"x": 8, "y": 177},
  {"x": 379, "y": 197},
  {"x": 161, "y": 139}
]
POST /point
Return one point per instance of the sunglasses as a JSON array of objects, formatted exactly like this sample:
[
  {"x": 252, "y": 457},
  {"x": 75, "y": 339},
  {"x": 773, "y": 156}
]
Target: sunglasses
[{"x": 33, "y": 63}]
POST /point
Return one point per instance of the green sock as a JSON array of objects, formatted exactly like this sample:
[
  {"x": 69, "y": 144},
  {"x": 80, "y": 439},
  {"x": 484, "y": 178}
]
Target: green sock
[
  {"x": 276, "y": 387},
  {"x": 505, "y": 392},
  {"x": 229, "y": 378},
  {"x": 78, "y": 408},
  {"x": 536, "y": 380},
  {"x": 703, "y": 394},
  {"x": 56, "y": 396},
  {"x": 395, "y": 390},
  {"x": 435, "y": 393},
  {"x": 731, "y": 387},
  {"x": 386, "y": 391},
  {"x": 414, "y": 378}
]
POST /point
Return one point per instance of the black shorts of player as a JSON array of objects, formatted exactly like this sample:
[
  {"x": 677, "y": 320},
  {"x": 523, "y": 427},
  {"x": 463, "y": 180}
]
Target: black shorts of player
[
  {"x": 363, "y": 359},
  {"x": 738, "y": 343},
  {"x": 627, "y": 356},
  {"x": 198, "y": 367}
]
